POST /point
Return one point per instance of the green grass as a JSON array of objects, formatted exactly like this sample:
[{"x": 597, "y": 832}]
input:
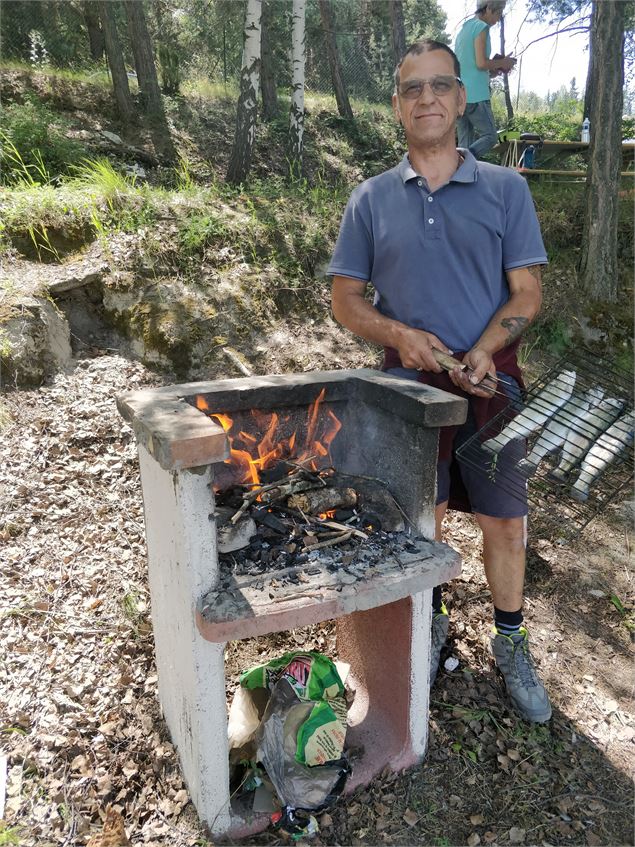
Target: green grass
[
  {"x": 207, "y": 89},
  {"x": 96, "y": 75},
  {"x": 10, "y": 834},
  {"x": 100, "y": 176},
  {"x": 5, "y": 415}
]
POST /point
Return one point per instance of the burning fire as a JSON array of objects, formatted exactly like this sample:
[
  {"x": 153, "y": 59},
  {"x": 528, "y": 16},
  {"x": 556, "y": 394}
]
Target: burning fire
[{"x": 250, "y": 456}]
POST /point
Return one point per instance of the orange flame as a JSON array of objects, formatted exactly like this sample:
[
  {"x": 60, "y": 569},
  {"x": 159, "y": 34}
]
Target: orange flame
[
  {"x": 321, "y": 430},
  {"x": 327, "y": 515}
]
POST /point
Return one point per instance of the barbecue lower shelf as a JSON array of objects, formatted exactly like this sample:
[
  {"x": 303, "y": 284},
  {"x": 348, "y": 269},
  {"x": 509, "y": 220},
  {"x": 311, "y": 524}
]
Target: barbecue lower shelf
[{"x": 250, "y": 606}]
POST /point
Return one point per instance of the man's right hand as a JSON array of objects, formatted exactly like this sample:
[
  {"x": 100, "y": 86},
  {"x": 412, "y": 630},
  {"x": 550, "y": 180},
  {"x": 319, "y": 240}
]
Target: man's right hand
[
  {"x": 415, "y": 349},
  {"x": 352, "y": 310},
  {"x": 506, "y": 63}
]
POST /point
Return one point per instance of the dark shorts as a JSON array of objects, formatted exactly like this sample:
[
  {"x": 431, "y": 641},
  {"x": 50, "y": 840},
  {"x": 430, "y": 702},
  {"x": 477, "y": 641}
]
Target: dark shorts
[{"x": 486, "y": 497}]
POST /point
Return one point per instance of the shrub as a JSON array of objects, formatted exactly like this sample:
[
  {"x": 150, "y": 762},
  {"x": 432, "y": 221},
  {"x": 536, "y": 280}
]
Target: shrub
[
  {"x": 35, "y": 143},
  {"x": 555, "y": 126}
]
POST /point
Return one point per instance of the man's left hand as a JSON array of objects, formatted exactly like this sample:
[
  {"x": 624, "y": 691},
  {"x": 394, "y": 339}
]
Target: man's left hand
[{"x": 479, "y": 378}]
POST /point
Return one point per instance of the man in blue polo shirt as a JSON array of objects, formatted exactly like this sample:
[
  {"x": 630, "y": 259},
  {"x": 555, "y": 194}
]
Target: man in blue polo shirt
[{"x": 453, "y": 250}]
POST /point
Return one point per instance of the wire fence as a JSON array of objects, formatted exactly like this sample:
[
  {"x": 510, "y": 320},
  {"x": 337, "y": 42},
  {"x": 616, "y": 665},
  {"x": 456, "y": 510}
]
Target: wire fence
[{"x": 204, "y": 41}]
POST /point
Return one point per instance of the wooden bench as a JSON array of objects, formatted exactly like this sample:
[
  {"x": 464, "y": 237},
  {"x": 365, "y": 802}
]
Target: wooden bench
[{"x": 576, "y": 174}]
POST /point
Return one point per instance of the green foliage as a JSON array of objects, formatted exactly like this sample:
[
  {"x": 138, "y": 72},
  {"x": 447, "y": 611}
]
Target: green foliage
[
  {"x": 116, "y": 202},
  {"x": 44, "y": 32},
  {"x": 199, "y": 231},
  {"x": 101, "y": 176},
  {"x": 552, "y": 334},
  {"x": 34, "y": 143},
  {"x": 556, "y": 126},
  {"x": 10, "y": 834}
]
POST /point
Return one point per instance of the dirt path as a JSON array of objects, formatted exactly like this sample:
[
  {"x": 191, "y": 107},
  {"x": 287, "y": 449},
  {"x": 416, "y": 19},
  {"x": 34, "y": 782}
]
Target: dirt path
[{"x": 80, "y": 720}]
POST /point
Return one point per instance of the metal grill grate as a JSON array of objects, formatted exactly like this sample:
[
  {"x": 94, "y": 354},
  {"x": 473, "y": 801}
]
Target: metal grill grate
[{"x": 578, "y": 421}]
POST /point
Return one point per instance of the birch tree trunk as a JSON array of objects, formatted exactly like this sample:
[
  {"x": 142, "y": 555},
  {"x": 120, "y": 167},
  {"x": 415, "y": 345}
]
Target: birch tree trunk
[
  {"x": 341, "y": 94},
  {"x": 114, "y": 54},
  {"x": 598, "y": 270},
  {"x": 247, "y": 109},
  {"x": 267, "y": 73},
  {"x": 508, "y": 98},
  {"x": 398, "y": 29},
  {"x": 296, "y": 117}
]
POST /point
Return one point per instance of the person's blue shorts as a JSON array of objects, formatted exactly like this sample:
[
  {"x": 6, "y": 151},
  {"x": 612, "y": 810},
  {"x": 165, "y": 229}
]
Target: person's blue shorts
[{"x": 486, "y": 497}]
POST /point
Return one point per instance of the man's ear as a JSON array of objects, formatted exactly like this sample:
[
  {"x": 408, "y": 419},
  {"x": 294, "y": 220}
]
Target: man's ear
[
  {"x": 395, "y": 108},
  {"x": 462, "y": 100}
]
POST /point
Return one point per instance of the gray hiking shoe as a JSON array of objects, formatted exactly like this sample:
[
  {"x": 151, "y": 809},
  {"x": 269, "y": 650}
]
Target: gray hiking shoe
[
  {"x": 525, "y": 689},
  {"x": 440, "y": 623}
]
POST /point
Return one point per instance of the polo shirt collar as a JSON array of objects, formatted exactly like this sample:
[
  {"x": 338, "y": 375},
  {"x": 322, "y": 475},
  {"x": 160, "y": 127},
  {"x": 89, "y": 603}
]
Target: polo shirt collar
[{"x": 467, "y": 172}]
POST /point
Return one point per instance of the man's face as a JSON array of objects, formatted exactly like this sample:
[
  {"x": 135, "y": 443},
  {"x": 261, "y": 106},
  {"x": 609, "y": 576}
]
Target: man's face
[
  {"x": 492, "y": 16},
  {"x": 429, "y": 119}
]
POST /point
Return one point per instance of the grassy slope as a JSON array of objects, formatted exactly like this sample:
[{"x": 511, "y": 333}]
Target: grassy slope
[{"x": 273, "y": 238}]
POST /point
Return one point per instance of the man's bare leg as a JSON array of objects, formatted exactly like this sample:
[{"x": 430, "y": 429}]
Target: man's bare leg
[
  {"x": 504, "y": 559},
  {"x": 504, "y": 542},
  {"x": 439, "y": 614},
  {"x": 439, "y": 514}
]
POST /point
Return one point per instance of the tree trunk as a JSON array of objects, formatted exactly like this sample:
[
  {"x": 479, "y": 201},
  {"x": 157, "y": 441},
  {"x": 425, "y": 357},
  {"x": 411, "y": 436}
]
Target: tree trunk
[
  {"x": 247, "y": 109},
  {"x": 95, "y": 33},
  {"x": 590, "y": 76},
  {"x": 508, "y": 98},
  {"x": 398, "y": 30},
  {"x": 267, "y": 74},
  {"x": 598, "y": 270},
  {"x": 296, "y": 118},
  {"x": 120, "y": 86},
  {"x": 150, "y": 93},
  {"x": 167, "y": 48},
  {"x": 341, "y": 94}
]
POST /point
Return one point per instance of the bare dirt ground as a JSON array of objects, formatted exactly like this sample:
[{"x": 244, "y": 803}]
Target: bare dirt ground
[{"x": 79, "y": 717}]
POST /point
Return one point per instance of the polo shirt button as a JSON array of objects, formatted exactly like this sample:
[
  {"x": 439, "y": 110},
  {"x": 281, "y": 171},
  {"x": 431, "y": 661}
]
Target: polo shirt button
[
  {"x": 419, "y": 183},
  {"x": 430, "y": 220},
  {"x": 430, "y": 199}
]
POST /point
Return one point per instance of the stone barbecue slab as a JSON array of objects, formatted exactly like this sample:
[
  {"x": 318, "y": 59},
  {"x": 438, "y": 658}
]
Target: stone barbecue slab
[
  {"x": 178, "y": 435},
  {"x": 256, "y": 605}
]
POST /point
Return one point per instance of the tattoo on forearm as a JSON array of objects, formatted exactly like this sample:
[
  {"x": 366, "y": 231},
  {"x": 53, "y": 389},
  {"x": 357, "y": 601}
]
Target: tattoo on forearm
[
  {"x": 515, "y": 327},
  {"x": 535, "y": 271}
]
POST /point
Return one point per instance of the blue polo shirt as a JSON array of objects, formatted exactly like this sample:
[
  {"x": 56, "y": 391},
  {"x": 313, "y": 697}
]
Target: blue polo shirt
[{"x": 437, "y": 260}]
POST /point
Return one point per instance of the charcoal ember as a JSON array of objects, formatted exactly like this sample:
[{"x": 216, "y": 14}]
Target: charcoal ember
[
  {"x": 370, "y": 519},
  {"x": 263, "y": 516},
  {"x": 232, "y": 498},
  {"x": 275, "y": 473},
  {"x": 343, "y": 514}
]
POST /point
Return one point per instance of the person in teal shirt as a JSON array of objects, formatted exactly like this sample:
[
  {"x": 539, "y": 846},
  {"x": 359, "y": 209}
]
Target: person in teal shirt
[{"x": 476, "y": 127}]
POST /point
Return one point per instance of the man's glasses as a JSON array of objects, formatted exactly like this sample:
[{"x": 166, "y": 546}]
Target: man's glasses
[{"x": 412, "y": 89}]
